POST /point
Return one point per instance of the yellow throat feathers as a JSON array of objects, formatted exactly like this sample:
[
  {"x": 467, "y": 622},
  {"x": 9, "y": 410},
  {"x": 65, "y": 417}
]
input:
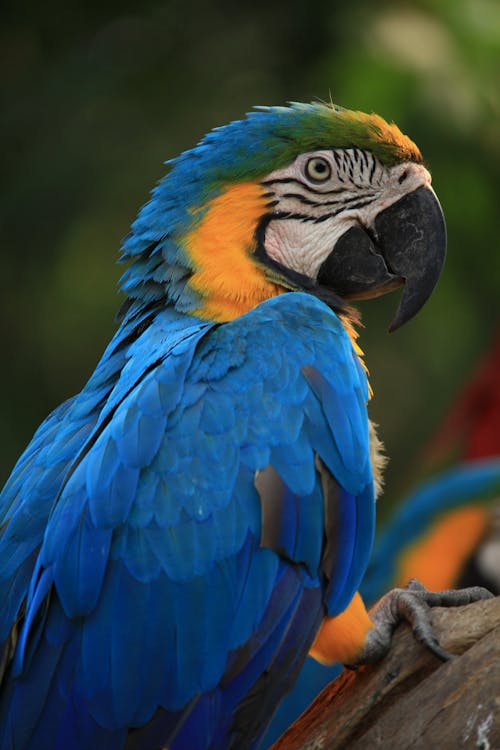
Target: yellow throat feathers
[{"x": 226, "y": 276}]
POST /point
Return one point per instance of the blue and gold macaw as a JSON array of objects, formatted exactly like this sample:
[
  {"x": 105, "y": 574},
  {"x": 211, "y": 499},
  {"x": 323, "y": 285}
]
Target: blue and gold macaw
[
  {"x": 436, "y": 532},
  {"x": 177, "y": 536}
]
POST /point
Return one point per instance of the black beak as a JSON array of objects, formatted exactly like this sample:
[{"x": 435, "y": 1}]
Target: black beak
[{"x": 407, "y": 247}]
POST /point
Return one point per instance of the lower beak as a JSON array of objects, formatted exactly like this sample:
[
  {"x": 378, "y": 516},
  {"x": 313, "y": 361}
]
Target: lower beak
[{"x": 407, "y": 247}]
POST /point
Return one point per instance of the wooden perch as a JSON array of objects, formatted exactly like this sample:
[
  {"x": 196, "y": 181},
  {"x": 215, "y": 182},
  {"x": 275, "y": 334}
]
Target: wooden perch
[{"x": 411, "y": 699}]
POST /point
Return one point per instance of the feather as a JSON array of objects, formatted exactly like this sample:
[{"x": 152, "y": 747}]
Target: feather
[{"x": 80, "y": 566}]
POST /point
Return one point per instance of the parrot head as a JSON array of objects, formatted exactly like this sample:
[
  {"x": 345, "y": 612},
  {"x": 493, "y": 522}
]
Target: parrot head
[{"x": 306, "y": 197}]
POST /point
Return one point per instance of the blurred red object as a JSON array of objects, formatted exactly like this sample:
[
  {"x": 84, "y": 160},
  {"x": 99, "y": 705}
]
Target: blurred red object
[{"x": 471, "y": 429}]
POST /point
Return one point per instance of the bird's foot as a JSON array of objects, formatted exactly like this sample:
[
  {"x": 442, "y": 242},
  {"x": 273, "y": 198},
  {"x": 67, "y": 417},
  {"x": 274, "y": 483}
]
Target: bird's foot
[{"x": 412, "y": 604}]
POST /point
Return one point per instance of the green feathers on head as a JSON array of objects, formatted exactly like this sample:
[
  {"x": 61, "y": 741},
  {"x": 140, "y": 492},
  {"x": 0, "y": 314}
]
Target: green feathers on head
[
  {"x": 272, "y": 137},
  {"x": 330, "y": 126}
]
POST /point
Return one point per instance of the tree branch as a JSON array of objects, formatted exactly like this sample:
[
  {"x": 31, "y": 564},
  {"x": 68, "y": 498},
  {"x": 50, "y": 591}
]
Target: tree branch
[{"x": 411, "y": 699}]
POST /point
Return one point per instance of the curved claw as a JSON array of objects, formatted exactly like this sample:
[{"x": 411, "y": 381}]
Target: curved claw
[
  {"x": 413, "y": 604},
  {"x": 410, "y": 604},
  {"x": 450, "y": 597}
]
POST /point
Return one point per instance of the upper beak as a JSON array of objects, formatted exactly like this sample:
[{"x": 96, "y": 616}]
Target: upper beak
[{"x": 407, "y": 247}]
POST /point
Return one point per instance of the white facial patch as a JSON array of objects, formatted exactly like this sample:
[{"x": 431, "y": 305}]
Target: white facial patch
[
  {"x": 303, "y": 246},
  {"x": 350, "y": 188}
]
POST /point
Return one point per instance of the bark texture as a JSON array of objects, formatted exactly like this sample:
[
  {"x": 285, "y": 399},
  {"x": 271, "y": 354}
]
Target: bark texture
[{"x": 411, "y": 699}]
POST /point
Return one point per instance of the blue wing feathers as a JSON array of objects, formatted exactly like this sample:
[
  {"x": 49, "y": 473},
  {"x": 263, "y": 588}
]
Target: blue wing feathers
[
  {"x": 161, "y": 594},
  {"x": 360, "y": 512},
  {"x": 310, "y": 526},
  {"x": 296, "y": 460},
  {"x": 35, "y": 603},
  {"x": 133, "y": 546},
  {"x": 345, "y": 510},
  {"x": 13, "y": 593},
  {"x": 126, "y": 646},
  {"x": 111, "y": 502},
  {"x": 80, "y": 565},
  {"x": 101, "y": 465}
]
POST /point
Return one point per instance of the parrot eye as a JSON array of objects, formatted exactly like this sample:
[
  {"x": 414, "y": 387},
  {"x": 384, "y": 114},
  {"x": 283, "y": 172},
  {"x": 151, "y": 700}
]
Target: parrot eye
[{"x": 318, "y": 169}]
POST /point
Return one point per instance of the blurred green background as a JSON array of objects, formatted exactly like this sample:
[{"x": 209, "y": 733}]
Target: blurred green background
[{"x": 96, "y": 95}]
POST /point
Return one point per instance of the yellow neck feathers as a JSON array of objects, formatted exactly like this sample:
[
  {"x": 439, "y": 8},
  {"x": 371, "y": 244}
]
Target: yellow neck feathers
[{"x": 221, "y": 246}]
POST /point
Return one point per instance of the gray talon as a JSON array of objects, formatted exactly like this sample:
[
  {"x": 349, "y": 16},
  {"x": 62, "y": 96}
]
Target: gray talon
[{"x": 413, "y": 604}]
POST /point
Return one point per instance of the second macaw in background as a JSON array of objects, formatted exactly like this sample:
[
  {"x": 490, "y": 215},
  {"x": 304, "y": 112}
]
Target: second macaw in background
[{"x": 446, "y": 531}]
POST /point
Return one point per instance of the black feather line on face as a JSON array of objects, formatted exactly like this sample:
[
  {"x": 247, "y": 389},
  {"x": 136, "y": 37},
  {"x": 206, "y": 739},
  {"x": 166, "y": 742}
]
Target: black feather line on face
[
  {"x": 304, "y": 185},
  {"x": 346, "y": 203},
  {"x": 298, "y": 281}
]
